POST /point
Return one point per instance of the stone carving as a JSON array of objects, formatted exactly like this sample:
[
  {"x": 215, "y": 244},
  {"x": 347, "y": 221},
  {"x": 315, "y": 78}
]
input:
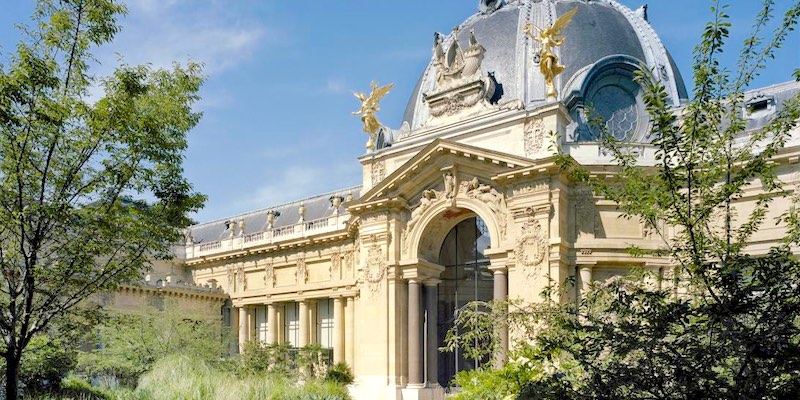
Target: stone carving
[
  {"x": 449, "y": 185},
  {"x": 241, "y": 279},
  {"x": 301, "y": 273},
  {"x": 490, "y": 196},
  {"x": 425, "y": 201},
  {"x": 231, "y": 278},
  {"x": 531, "y": 249},
  {"x": 187, "y": 237},
  {"x": 534, "y": 137},
  {"x": 369, "y": 107},
  {"x": 459, "y": 80},
  {"x": 271, "y": 216},
  {"x": 529, "y": 187},
  {"x": 269, "y": 275},
  {"x": 550, "y": 38},
  {"x": 378, "y": 172},
  {"x": 301, "y": 211},
  {"x": 374, "y": 268},
  {"x": 373, "y": 218},
  {"x": 336, "y": 263}
]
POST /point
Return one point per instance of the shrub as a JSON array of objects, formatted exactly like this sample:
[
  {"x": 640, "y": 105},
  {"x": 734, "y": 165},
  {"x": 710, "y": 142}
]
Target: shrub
[
  {"x": 45, "y": 363},
  {"x": 340, "y": 373}
]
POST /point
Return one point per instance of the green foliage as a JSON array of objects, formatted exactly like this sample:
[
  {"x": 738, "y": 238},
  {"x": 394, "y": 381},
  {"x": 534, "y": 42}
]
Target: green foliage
[
  {"x": 130, "y": 343},
  {"x": 259, "y": 358},
  {"x": 340, "y": 373},
  {"x": 46, "y": 362},
  {"x": 73, "y": 170},
  {"x": 180, "y": 377},
  {"x": 723, "y": 324}
]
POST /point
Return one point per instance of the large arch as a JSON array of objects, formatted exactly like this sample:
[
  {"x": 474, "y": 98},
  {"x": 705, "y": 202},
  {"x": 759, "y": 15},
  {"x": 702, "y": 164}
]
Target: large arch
[{"x": 428, "y": 232}]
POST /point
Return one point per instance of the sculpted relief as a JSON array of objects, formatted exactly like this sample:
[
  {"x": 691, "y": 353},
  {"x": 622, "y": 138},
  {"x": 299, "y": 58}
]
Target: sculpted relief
[
  {"x": 374, "y": 269},
  {"x": 531, "y": 249}
]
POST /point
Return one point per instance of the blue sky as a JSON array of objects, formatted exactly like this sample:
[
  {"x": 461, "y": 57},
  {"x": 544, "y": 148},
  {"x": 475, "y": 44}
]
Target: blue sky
[{"x": 277, "y": 125}]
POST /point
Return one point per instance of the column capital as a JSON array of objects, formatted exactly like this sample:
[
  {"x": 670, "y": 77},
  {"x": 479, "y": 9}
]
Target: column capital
[{"x": 432, "y": 282}]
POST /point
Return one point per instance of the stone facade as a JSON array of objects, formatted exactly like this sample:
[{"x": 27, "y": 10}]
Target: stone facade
[{"x": 371, "y": 271}]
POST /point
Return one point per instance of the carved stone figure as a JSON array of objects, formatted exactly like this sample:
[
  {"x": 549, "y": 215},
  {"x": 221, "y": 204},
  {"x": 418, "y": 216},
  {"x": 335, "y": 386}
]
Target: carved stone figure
[
  {"x": 369, "y": 107},
  {"x": 486, "y": 194},
  {"x": 449, "y": 185},
  {"x": 427, "y": 198},
  {"x": 550, "y": 38},
  {"x": 230, "y": 275},
  {"x": 378, "y": 172}
]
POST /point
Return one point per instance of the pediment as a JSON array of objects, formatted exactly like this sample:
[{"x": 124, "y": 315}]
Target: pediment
[{"x": 427, "y": 170}]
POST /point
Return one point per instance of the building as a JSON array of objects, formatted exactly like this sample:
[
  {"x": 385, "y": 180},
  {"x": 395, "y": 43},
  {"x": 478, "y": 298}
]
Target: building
[{"x": 462, "y": 202}]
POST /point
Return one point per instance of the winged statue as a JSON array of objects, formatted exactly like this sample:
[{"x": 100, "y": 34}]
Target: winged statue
[
  {"x": 550, "y": 38},
  {"x": 369, "y": 106}
]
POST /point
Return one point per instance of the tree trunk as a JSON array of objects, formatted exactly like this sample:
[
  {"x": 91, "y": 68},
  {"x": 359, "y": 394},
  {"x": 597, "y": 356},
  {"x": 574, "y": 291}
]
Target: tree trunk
[{"x": 12, "y": 376}]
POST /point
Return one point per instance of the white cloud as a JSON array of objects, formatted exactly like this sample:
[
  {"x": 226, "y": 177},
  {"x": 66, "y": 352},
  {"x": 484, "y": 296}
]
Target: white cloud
[{"x": 161, "y": 32}]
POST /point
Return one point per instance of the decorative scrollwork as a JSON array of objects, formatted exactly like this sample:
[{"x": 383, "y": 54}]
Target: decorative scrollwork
[{"x": 374, "y": 270}]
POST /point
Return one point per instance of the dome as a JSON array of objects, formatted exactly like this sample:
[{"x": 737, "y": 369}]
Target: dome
[{"x": 603, "y": 44}]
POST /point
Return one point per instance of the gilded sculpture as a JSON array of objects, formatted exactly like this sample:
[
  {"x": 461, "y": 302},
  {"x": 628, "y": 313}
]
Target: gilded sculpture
[
  {"x": 369, "y": 107},
  {"x": 550, "y": 38}
]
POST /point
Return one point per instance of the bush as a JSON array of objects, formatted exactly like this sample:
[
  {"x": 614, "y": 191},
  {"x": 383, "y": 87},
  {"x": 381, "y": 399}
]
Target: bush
[
  {"x": 340, "y": 373},
  {"x": 183, "y": 377},
  {"x": 45, "y": 363}
]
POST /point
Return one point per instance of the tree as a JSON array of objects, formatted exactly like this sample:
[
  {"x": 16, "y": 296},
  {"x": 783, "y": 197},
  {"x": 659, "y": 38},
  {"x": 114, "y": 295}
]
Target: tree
[
  {"x": 130, "y": 343},
  {"x": 726, "y": 323},
  {"x": 89, "y": 190}
]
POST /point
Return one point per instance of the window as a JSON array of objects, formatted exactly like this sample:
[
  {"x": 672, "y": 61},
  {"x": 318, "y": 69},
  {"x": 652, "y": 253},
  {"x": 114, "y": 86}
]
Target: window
[
  {"x": 261, "y": 324},
  {"x": 291, "y": 327},
  {"x": 325, "y": 323}
]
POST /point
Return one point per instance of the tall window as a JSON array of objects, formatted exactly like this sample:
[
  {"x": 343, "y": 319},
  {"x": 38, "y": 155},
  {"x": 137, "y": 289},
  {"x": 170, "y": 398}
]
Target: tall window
[
  {"x": 466, "y": 278},
  {"x": 261, "y": 324},
  {"x": 325, "y": 322},
  {"x": 291, "y": 327}
]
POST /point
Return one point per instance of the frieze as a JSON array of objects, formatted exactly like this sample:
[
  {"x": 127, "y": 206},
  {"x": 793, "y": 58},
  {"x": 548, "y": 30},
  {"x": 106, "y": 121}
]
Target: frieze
[{"x": 539, "y": 185}]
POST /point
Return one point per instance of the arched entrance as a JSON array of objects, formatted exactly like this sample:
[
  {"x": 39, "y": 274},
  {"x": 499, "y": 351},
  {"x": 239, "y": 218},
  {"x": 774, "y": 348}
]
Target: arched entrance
[{"x": 466, "y": 278}]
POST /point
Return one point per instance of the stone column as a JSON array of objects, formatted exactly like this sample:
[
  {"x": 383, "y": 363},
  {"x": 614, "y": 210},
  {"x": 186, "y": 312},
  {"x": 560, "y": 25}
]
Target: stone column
[
  {"x": 501, "y": 294},
  {"x": 243, "y": 322},
  {"x": 252, "y": 327},
  {"x": 338, "y": 330},
  {"x": 414, "y": 342},
  {"x": 432, "y": 332},
  {"x": 272, "y": 324},
  {"x": 585, "y": 271},
  {"x": 349, "y": 331},
  {"x": 302, "y": 318}
]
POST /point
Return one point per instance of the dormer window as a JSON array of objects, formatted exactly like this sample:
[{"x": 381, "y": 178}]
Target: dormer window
[{"x": 759, "y": 106}]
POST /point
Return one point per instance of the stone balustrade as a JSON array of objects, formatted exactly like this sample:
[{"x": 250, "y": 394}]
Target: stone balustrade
[{"x": 276, "y": 235}]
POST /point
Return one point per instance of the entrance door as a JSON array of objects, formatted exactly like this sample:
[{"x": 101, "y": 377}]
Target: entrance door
[{"x": 466, "y": 278}]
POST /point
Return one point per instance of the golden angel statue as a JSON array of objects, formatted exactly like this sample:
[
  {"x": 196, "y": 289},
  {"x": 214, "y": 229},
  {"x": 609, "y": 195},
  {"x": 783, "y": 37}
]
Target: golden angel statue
[
  {"x": 550, "y": 38},
  {"x": 369, "y": 106}
]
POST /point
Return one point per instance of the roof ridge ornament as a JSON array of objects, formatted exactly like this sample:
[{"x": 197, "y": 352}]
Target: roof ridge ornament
[{"x": 550, "y": 38}]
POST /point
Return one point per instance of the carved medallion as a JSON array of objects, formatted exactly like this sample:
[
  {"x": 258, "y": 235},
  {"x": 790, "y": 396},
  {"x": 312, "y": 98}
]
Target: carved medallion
[
  {"x": 374, "y": 269},
  {"x": 531, "y": 248},
  {"x": 534, "y": 137}
]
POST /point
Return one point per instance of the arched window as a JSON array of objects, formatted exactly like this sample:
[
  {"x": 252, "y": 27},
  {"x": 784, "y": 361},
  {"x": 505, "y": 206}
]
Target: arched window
[{"x": 466, "y": 278}]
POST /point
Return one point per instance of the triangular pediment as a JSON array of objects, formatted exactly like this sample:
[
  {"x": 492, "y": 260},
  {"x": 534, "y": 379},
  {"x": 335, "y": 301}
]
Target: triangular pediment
[{"x": 426, "y": 170}]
